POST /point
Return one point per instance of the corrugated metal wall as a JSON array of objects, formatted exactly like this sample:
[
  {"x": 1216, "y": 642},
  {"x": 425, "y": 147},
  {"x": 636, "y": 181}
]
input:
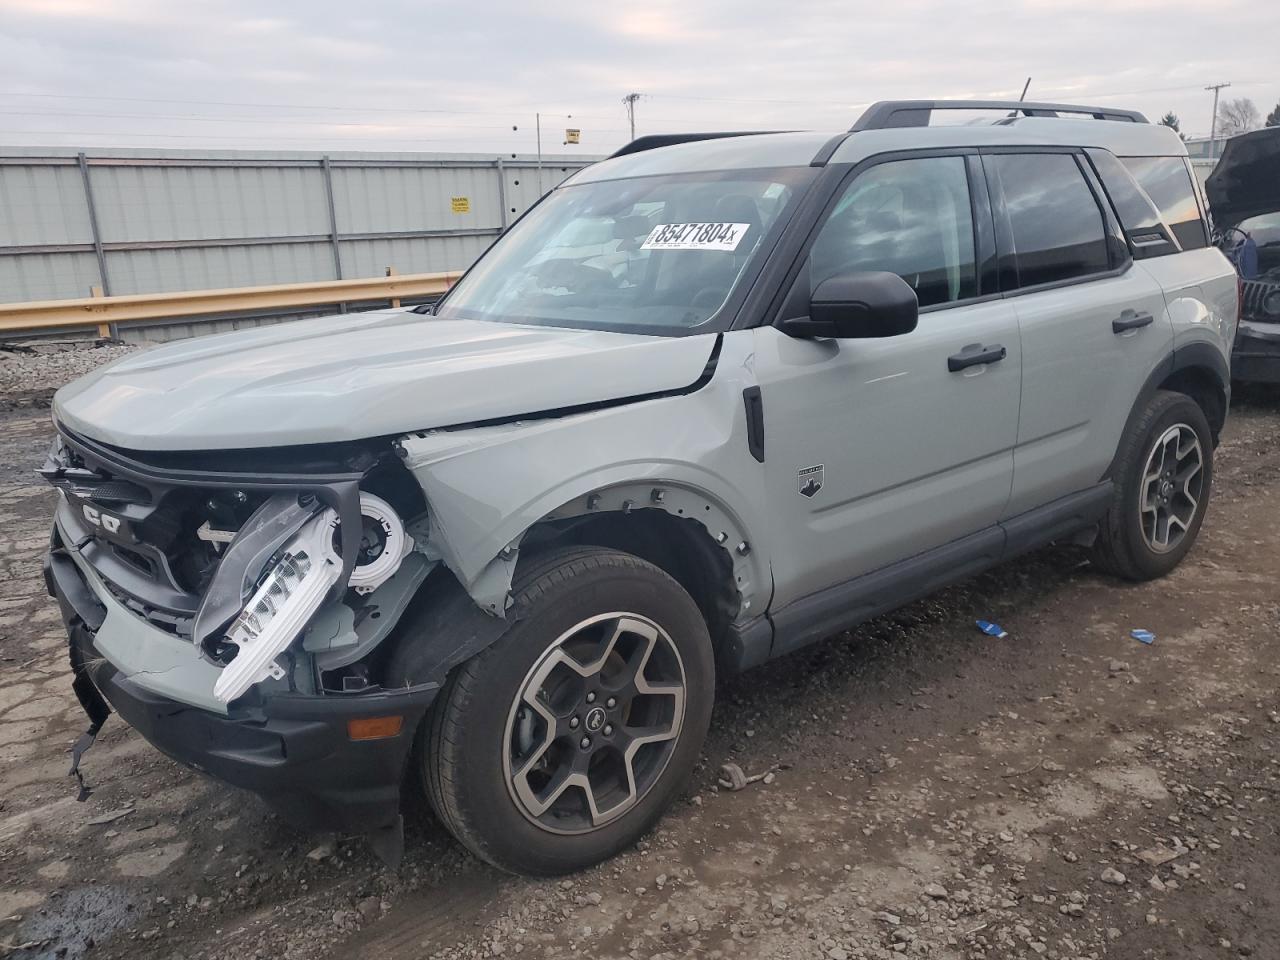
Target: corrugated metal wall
[{"x": 142, "y": 221}]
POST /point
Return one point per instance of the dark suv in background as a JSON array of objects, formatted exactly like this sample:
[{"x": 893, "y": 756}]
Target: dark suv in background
[{"x": 1244, "y": 197}]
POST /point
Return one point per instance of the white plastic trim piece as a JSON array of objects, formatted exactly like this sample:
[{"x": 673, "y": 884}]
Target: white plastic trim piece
[
  {"x": 281, "y": 607},
  {"x": 398, "y": 545}
]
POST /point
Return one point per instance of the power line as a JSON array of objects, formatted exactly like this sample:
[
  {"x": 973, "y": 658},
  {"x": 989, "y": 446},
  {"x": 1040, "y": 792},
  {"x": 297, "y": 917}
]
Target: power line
[
  {"x": 335, "y": 141},
  {"x": 283, "y": 106},
  {"x": 314, "y": 121}
]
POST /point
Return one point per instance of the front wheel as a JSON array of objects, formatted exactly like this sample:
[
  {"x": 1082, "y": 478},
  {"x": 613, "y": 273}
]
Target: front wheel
[
  {"x": 566, "y": 740},
  {"x": 1164, "y": 473}
]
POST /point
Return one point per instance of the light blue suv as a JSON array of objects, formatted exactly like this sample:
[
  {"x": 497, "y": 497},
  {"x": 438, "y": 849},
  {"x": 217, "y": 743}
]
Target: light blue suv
[{"x": 712, "y": 399}]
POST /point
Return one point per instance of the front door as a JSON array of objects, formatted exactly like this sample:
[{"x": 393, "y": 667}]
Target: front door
[{"x": 877, "y": 450}]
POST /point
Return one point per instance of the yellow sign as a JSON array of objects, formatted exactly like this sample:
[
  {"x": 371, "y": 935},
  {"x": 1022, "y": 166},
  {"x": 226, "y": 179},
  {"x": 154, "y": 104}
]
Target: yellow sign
[
  {"x": 460, "y": 204},
  {"x": 572, "y": 136}
]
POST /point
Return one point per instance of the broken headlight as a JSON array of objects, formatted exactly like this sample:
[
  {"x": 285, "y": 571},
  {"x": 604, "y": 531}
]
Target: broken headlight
[
  {"x": 296, "y": 583},
  {"x": 286, "y": 598}
]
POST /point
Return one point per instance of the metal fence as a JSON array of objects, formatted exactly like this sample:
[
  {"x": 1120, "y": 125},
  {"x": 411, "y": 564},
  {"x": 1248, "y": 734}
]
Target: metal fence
[{"x": 148, "y": 221}]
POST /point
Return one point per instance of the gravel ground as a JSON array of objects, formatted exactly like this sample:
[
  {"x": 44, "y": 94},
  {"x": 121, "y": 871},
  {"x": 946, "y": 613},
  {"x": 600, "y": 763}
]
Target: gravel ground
[
  {"x": 31, "y": 371},
  {"x": 1065, "y": 792}
]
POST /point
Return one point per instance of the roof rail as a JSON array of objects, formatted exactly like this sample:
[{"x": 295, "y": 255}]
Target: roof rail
[
  {"x": 916, "y": 113},
  {"x": 655, "y": 140}
]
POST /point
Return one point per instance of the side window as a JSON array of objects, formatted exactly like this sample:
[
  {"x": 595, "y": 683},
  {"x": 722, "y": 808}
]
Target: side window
[
  {"x": 1138, "y": 215},
  {"x": 909, "y": 217},
  {"x": 1058, "y": 230},
  {"x": 1167, "y": 182}
]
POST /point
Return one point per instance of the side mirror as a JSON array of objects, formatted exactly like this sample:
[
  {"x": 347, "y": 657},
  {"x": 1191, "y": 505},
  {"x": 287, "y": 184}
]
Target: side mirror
[{"x": 858, "y": 306}]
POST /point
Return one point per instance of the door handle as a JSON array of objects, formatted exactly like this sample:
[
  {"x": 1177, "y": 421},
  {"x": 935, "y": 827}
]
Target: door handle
[
  {"x": 974, "y": 354},
  {"x": 1131, "y": 320}
]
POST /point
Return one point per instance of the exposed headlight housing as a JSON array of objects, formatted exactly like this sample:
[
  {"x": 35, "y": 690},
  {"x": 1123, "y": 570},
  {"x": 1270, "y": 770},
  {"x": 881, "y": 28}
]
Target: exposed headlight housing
[
  {"x": 281, "y": 606},
  {"x": 297, "y": 583},
  {"x": 383, "y": 544}
]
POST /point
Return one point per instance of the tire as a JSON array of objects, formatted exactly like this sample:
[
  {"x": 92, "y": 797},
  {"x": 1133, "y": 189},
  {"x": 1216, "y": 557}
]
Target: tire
[
  {"x": 1129, "y": 536},
  {"x": 481, "y": 734}
]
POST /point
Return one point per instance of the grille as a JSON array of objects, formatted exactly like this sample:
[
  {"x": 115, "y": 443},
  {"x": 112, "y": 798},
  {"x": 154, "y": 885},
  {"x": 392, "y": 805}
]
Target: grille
[{"x": 1258, "y": 296}]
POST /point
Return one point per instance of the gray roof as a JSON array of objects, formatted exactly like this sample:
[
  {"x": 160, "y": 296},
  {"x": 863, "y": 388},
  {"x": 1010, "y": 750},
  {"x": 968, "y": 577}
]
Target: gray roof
[{"x": 799, "y": 149}]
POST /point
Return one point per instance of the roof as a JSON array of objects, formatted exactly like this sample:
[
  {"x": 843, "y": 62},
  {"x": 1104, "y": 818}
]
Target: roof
[
  {"x": 725, "y": 153},
  {"x": 765, "y": 150}
]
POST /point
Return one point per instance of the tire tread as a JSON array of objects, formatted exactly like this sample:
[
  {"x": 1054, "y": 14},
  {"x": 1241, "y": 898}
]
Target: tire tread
[{"x": 441, "y": 753}]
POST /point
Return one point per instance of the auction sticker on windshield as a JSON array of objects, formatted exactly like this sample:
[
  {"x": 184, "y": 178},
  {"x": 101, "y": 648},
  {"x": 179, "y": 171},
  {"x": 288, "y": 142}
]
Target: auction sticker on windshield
[{"x": 695, "y": 236}]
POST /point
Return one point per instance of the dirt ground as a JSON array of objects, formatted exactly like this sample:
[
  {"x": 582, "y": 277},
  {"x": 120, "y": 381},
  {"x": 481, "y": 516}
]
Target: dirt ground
[{"x": 1064, "y": 792}]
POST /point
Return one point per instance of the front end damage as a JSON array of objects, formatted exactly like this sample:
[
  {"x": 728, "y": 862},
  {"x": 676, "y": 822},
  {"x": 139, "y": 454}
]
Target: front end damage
[
  {"x": 226, "y": 616},
  {"x": 215, "y": 601}
]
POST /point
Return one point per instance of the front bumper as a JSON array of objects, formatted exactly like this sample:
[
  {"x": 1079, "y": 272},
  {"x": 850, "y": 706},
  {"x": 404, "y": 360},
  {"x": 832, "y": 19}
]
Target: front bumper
[
  {"x": 292, "y": 750},
  {"x": 1255, "y": 358}
]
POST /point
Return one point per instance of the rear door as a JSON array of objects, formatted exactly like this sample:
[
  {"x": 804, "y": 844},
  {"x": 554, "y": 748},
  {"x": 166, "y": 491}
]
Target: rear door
[
  {"x": 881, "y": 449},
  {"x": 1093, "y": 323}
]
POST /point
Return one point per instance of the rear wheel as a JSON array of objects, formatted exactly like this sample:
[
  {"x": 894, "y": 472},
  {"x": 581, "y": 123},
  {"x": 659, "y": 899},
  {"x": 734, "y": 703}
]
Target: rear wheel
[
  {"x": 565, "y": 741},
  {"x": 1164, "y": 474}
]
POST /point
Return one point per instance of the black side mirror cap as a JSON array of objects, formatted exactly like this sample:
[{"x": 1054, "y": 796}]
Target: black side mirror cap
[{"x": 858, "y": 306}]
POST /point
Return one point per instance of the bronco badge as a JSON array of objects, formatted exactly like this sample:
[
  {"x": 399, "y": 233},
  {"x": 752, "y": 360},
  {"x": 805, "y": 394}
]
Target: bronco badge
[{"x": 810, "y": 481}]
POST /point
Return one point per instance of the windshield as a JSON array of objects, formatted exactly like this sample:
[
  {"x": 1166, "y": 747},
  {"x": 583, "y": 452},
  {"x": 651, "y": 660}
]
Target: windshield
[{"x": 654, "y": 255}]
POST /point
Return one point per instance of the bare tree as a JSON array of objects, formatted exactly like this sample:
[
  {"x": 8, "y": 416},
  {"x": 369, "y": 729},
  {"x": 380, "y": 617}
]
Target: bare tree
[{"x": 1238, "y": 116}]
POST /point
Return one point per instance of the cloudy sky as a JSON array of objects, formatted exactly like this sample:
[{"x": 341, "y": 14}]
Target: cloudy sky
[{"x": 390, "y": 75}]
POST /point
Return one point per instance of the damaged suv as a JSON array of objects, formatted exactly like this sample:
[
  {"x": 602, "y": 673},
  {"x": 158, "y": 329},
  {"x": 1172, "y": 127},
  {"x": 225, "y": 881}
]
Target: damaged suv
[{"x": 711, "y": 400}]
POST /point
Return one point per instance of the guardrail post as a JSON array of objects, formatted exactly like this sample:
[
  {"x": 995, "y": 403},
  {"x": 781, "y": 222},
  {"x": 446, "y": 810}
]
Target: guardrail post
[
  {"x": 333, "y": 223},
  {"x": 104, "y": 329},
  {"x": 502, "y": 190},
  {"x": 395, "y": 301}
]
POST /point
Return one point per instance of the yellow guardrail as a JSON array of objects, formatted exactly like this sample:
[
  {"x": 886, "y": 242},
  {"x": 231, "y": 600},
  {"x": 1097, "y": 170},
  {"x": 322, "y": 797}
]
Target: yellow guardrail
[{"x": 103, "y": 312}]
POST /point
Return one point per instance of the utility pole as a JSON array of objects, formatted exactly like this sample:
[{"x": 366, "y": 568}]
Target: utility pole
[
  {"x": 1213, "y": 124},
  {"x": 630, "y": 100},
  {"x": 538, "y": 123}
]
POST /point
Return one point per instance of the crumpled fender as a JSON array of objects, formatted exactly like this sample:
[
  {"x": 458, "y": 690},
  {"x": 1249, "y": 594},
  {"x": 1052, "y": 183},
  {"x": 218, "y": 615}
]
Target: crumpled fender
[{"x": 486, "y": 486}]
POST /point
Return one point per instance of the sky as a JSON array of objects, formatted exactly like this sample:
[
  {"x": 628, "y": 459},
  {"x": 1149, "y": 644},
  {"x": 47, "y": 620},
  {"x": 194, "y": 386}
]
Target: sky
[{"x": 472, "y": 77}]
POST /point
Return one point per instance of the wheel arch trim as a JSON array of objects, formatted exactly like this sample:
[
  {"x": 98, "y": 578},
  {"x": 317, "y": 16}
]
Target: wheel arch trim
[{"x": 1191, "y": 357}]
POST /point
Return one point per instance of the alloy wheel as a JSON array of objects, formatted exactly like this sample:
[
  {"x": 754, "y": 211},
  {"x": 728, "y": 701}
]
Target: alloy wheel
[
  {"x": 594, "y": 723},
  {"x": 1171, "y": 488}
]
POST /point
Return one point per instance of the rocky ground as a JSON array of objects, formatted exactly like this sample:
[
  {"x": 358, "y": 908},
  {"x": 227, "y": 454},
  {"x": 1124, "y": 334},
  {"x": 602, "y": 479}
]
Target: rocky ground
[{"x": 1064, "y": 792}]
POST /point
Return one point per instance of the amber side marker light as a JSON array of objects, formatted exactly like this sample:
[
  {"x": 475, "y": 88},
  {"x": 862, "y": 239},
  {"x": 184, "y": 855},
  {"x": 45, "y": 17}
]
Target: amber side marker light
[{"x": 374, "y": 728}]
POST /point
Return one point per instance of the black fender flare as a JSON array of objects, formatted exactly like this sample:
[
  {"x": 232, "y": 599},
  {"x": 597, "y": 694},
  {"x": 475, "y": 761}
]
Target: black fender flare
[{"x": 1197, "y": 355}]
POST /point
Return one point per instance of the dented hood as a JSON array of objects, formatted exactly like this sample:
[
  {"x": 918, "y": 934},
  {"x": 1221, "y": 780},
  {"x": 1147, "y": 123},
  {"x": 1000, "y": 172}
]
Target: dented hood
[
  {"x": 362, "y": 375},
  {"x": 1246, "y": 181}
]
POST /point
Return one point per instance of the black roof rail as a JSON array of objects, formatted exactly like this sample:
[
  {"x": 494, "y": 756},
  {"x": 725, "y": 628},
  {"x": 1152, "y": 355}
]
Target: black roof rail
[
  {"x": 654, "y": 140},
  {"x": 916, "y": 113}
]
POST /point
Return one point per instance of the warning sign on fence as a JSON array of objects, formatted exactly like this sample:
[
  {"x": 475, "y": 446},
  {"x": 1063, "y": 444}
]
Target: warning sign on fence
[{"x": 460, "y": 204}]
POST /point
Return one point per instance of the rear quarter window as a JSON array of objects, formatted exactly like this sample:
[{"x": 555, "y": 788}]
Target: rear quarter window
[{"x": 1167, "y": 181}]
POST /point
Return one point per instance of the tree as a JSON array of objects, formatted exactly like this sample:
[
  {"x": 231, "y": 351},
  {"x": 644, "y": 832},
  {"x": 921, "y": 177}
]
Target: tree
[
  {"x": 1238, "y": 116},
  {"x": 1273, "y": 118},
  {"x": 1170, "y": 119}
]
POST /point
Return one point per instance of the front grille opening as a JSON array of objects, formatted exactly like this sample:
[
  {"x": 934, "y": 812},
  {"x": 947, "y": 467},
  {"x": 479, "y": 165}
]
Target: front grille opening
[{"x": 138, "y": 561}]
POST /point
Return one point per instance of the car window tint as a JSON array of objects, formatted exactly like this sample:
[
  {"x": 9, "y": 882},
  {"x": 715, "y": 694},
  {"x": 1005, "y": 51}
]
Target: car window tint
[
  {"x": 1138, "y": 215},
  {"x": 909, "y": 217},
  {"x": 1058, "y": 232},
  {"x": 1167, "y": 182}
]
